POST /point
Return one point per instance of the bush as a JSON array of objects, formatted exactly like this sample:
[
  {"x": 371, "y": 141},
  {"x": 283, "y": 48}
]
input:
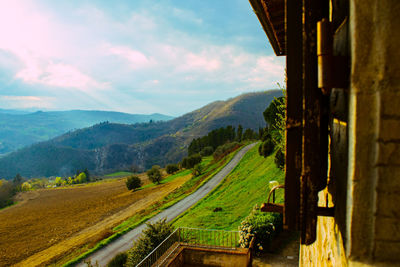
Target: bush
[
  {"x": 119, "y": 260},
  {"x": 197, "y": 170},
  {"x": 280, "y": 159},
  {"x": 172, "y": 168},
  {"x": 224, "y": 150},
  {"x": 133, "y": 182},
  {"x": 189, "y": 162},
  {"x": 207, "y": 151},
  {"x": 7, "y": 191},
  {"x": 263, "y": 226},
  {"x": 266, "y": 148},
  {"x": 151, "y": 237},
  {"x": 154, "y": 174}
]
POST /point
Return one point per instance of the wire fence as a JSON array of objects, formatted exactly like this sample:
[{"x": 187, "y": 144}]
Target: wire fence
[{"x": 194, "y": 237}]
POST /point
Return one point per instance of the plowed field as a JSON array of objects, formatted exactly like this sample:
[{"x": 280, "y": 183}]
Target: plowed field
[{"x": 48, "y": 223}]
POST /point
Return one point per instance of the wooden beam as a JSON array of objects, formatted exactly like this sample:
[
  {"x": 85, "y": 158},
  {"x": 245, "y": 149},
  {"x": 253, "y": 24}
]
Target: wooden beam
[{"x": 294, "y": 113}]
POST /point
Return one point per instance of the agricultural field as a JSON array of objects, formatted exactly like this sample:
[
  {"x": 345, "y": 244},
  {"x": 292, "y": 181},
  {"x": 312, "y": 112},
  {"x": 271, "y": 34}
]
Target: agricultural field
[
  {"x": 227, "y": 206},
  {"x": 49, "y": 223}
]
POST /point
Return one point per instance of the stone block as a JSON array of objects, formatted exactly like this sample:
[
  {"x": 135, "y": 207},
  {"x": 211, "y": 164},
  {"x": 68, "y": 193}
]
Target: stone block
[
  {"x": 388, "y": 205},
  {"x": 389, "y": 129},
  {"x": 389, "y": 153},
  {"x": 387, "y": 251},
  {"x": 387, "y": 228},
  {"x": 389, "y": 178}
]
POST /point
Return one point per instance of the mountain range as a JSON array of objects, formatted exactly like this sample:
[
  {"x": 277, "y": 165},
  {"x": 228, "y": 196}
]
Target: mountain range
[
  {"x": 19, "y": 128},
  {"x": 107, "y": 147}
]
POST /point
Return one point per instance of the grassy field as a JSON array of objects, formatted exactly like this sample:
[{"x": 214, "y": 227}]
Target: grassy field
[
  {"x": 226, "y": 206},
  {"x": 119, "y": 174},
  {"x": 49, "y": 223}
]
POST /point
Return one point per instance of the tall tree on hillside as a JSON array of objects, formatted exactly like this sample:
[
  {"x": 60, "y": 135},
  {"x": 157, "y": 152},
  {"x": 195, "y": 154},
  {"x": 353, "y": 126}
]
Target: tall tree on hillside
[
  {"x": 239, "y": 132},
  {"x": 154, "y": 174}
]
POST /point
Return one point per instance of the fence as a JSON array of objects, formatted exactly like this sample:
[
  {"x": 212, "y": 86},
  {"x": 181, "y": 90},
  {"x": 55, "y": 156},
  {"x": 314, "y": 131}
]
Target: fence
[{"x": 195, "y": 237}]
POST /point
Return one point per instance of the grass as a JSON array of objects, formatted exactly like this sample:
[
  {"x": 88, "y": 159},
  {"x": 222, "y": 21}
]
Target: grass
[
  {"x": 245, "y": 186},
  {"x": 210, "y": 169},
  {"x": 119, "y": 174}
]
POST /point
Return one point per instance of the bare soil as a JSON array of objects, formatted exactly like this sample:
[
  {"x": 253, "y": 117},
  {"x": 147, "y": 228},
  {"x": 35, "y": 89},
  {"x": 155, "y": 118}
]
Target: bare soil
[{"x": 46, "y": 224}]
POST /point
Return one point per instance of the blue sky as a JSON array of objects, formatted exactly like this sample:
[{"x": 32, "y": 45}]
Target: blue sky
[{"x": 138, "y": 56}]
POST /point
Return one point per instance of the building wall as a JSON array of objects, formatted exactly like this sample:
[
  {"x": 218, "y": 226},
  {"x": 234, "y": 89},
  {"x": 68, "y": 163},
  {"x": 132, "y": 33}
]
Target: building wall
[{"x": 366, "y": 229}]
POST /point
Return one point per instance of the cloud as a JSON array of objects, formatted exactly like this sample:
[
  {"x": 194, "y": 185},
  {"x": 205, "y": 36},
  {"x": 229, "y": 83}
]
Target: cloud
[
  {"x": 8, "y": 101},
  {"x": 135, "y": 58}
]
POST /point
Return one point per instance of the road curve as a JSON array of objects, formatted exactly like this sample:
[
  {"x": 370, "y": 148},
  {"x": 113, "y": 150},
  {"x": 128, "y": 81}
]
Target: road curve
[{"x": 105, "y": 254}]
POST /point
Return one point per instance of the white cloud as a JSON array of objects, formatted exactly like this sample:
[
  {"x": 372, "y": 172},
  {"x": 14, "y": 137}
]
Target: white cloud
[
  {"x": 135, "y": 58},
  {"x": 26, "y": 101}
]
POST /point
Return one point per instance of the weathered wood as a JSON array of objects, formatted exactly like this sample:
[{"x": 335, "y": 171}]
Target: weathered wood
[
  {"x": 294, "y": 113},
  {"x": 311, "y": 182}
]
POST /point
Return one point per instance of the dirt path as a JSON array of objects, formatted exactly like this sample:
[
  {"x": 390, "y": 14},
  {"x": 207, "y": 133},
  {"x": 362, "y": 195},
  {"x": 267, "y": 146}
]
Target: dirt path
[{"x": 104, "y": 255}]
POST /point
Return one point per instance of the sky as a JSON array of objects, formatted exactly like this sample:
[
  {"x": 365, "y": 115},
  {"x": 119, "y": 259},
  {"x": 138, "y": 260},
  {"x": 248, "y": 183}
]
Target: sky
[{"x": 136, "y": 56}]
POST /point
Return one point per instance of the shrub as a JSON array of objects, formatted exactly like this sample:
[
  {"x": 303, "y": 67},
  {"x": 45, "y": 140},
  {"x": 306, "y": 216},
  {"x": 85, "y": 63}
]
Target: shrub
[
  {"x": 197, "y": 170},
  {"x": 280, "y": 159},
  {"x": 172, "y": 168},
  {"x": 151, "y": 237},
  {"x": 154, "y": 174},
  {"x": 189, "y": 162},
  {"x": 133, "y": 182},
  {"x": 119, "y": 260},
  {"x": 263, "y": 226},
  {"x": 207, "y": 151},
  {"x": 266, "y": 148},
  {"x": 224, "y": 150}
]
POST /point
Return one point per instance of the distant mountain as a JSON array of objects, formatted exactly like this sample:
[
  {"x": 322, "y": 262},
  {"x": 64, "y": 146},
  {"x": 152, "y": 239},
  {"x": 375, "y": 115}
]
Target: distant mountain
[
  {"x": 18, "y": 129},
  {"x": 107, "y": 147}
]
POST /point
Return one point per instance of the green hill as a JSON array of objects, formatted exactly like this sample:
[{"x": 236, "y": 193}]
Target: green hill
[
  {"x": 20, "y": 129},
  {"x": 108, "y": 147},
  {"x": 227, "y": 206}
]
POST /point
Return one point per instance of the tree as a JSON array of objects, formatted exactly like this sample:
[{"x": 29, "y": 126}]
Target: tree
[
  {"x": 172, "y": 168},
  {"x": 86, "y": 171},
  {"x": 197, "y": 170},
  {"x": 81, "y": 178},
  {"x": 154, "y": 174},
  {"x": 133, "y": 182},
  {"x": 151, "y": 237},
  {"x": 239, "y": 132},
  {"x": 17, "y": 182}
]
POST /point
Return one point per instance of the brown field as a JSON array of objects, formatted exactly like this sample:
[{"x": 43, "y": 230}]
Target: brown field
[{"x": 49, "y": 223}]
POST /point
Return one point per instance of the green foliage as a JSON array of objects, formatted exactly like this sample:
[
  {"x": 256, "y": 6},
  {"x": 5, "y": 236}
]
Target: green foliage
[
  {"x": 213, "y": 139},
  {"x": 207, "y": 151},
  {"x": 133, "y": 182},
  {"x": 224, "y": 150},
  {"x": 119, "y": 260},
  {"x": 261, "y": 225},
  {"x": 280, "y": 159},
  {"x": 154, "y": 174},
  {"x": 267, "y": 147},
  {"x": 151, "y": 237},
  {"x": 275, "y": 116},
  {"x": 7, "y": 191},
  {"x": 191, "y": 161},
  {"x": 249, "y": 134},
  {"x": 239, "y": 133},
  {"x": 197, "y": 170},
  {"x": 80, "y": 179},
  {"x": 172, "y": 168}
]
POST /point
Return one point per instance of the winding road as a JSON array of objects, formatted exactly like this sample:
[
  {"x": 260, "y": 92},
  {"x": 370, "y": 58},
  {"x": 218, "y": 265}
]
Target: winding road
[{"x": 124, "y": 243}]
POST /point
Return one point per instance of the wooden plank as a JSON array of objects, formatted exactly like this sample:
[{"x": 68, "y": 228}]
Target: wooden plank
[
  {"x": 294, "y": 113},
  {"x": 311, "y": 181}
]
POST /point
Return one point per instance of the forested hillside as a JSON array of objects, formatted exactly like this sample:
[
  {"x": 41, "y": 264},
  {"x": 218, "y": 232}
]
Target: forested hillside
[
  {"x": 18, "y": 129},
  {"x": 106, "y": 147}
]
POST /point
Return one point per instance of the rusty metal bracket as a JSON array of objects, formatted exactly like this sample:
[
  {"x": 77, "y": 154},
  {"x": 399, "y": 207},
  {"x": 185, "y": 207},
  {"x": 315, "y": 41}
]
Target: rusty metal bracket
[
  {"x": 272, "y": 207},
  {"x": 331, "y": 71}
]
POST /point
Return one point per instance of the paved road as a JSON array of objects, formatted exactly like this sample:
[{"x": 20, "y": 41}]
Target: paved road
[{"x": 104, "y": 255}]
